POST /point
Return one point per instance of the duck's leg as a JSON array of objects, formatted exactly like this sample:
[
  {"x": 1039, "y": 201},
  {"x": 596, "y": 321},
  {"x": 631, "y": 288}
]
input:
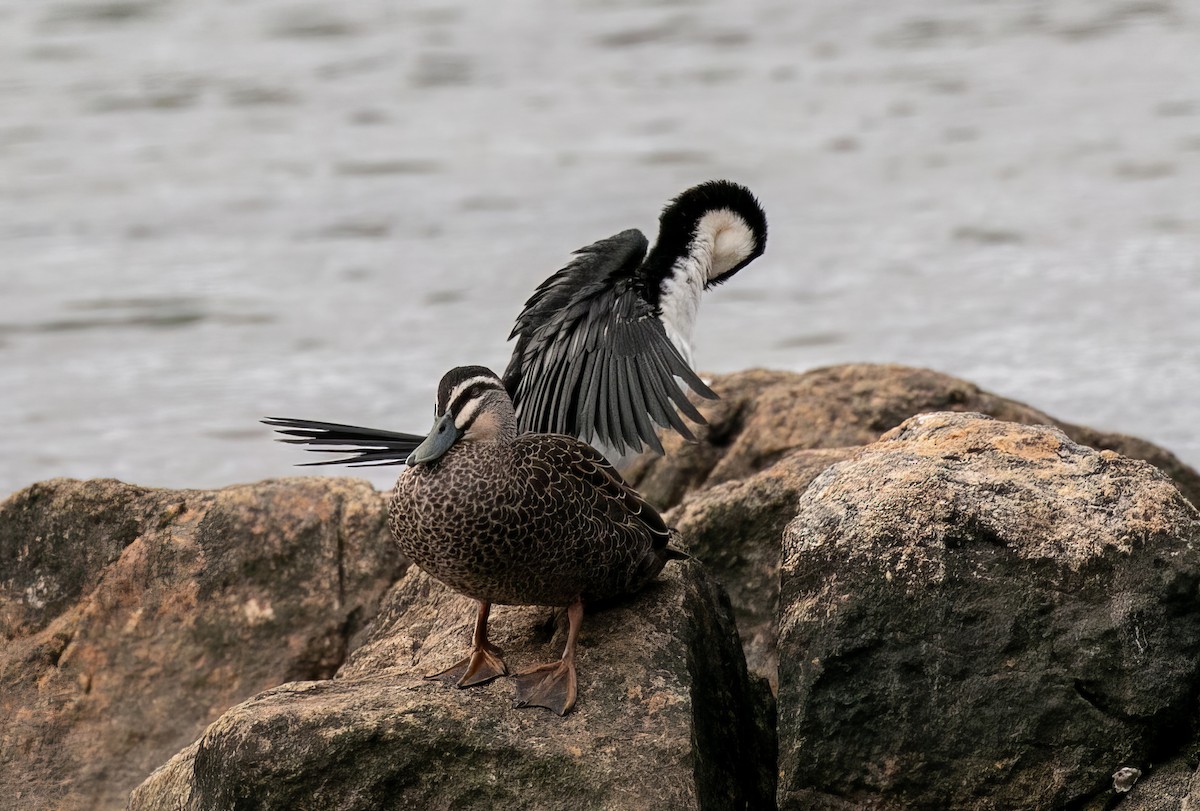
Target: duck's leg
[
  {"x": 485, "y": 662},
  {"x": 553, "y": 685}
]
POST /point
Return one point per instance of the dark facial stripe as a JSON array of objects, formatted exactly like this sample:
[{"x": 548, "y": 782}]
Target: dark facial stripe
[
  {"x": 475, "y": 390},
  {"x": 455, "y": 379}
]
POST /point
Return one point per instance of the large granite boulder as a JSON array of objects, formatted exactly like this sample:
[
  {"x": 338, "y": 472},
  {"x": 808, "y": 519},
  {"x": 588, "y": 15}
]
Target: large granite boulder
[
  {"x": 735, "y": 527},
  {"x": 980, "y": 614},
  {"x": 764, "y": 415},
  {"x": 772, "y": 432},
  {"x": 667, "y": 717},
  {"x": 131, "y": 618}
]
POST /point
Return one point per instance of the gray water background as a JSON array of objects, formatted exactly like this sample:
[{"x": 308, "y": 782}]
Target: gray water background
[{"x": 216, "y": 211}]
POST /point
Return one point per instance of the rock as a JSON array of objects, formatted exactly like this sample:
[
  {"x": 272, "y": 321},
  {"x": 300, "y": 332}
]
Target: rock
[
  {"x": 979, "y": 614},
  {"x": 735, "y": 527},
  {"x": 1171, "y": 786},
  {"x": 1185, "y": 477},
  {"x": 1125, "y": 778},
  {"x": 772, "y": 432},
  {"x": 133, "y": 617},
  {"x": 1038, "y": 631},
  {"x": 764, "y": 415},
  {"x": 666, "y": 718}
]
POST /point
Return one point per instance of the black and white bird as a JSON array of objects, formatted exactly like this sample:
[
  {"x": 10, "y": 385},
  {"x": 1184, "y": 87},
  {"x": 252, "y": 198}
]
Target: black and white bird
[{"x": 602, "y": 345}]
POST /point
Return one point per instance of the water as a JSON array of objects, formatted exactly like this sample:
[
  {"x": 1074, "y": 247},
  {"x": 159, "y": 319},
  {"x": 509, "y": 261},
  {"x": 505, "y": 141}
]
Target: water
[{"x": 212, "y": 212}]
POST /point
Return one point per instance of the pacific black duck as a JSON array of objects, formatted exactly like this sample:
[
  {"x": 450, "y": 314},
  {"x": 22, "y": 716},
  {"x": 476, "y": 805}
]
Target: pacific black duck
[{"x": 520, "y": 519}]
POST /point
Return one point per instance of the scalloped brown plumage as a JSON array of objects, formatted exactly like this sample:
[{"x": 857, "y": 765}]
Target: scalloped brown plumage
[{"x": 535, "y": 519}]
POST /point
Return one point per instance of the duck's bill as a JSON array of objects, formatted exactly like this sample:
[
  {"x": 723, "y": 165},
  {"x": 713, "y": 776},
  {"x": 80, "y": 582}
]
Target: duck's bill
[{"x": 443, "y": 436}]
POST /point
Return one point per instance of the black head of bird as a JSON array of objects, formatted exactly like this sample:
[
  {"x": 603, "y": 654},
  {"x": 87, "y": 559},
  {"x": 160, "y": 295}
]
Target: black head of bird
[{"x": 718, "y": 226}]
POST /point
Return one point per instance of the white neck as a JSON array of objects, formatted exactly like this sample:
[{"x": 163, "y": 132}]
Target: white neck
[
  {"x": 722, "y": 240},
  {"x": 680, "y": 301}
]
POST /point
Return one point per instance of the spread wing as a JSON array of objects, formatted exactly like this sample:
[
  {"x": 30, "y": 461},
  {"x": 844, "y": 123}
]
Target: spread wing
[
  {"x": 368, "y": 446},
  {"x": 592, "y": 357}
]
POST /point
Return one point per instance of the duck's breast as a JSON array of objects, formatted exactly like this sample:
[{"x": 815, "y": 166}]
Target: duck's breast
[{"x": 522, "y": 524}]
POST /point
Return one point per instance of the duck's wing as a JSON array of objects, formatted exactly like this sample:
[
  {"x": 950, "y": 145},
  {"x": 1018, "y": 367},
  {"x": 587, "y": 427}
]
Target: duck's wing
[
  {"x": 609, "y": 481},
  {"x": 367, "y": 446},
  {"x": 592, "y": 357},
  {"x": 584, "y": 479}
]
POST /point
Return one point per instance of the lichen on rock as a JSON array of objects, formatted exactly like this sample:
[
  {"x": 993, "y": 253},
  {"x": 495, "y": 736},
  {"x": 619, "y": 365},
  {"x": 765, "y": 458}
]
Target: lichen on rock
[{"x": 976, "y": 612}]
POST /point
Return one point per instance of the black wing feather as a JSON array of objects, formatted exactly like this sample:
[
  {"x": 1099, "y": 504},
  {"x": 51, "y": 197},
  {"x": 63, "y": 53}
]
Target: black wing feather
[
  {"x": 642, "y": 412},
  {"x": 592, "y": 357},
  {"x": 659, "y": 372},
  {"x": 367, "y": 446}
]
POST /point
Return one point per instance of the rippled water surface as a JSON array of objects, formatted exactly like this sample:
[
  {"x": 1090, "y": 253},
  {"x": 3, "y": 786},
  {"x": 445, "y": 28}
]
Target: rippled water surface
[{"x": 211, "y": 212}]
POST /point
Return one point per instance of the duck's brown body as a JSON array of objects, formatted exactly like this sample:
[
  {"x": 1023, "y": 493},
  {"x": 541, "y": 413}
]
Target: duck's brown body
[
  {"x": 541, "y": 519},
  {"x": 529, "y": 519}
]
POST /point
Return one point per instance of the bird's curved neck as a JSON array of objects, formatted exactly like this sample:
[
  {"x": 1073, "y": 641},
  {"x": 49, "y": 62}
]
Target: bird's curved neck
[
  {"x": 679, "y": 296},
  {"x": 690, "y": 273},
  {"x": 720, "y": 242}
]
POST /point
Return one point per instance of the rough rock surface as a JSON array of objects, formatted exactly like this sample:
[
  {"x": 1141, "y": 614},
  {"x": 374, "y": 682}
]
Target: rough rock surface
[
  {"x": 763, "y": 415},
  {"x": 736, "y": 528},
  {"x": 132, "y": 617},
  {"x": 772, "y": 432},
  {"x": 667, "y": 717},
  {"x": 979, "y": 614},
  {"x": 1173, "y": 786}
]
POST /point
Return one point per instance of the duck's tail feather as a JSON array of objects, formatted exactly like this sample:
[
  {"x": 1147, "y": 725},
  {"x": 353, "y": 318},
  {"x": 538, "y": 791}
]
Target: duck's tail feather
[{"x": 367, "y": 446}]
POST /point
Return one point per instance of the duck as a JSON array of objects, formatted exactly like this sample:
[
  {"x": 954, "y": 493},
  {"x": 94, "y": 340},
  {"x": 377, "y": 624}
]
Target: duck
[
  {"x": 603, "y": 345},
  {"x": 514, "y": 518}
]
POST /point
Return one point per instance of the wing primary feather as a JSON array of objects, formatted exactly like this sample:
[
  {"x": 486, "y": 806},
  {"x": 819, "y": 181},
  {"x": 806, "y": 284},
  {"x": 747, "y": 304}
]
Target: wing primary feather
[
  {"x": 585, "y": 415},
  {"x": 602, "y": 398},
  {"x": 638, "y": 402},
  {"x": 616, "y": 419},
  {"x": 673, "y": 397},
  {"x": 665, "y": 357},
  {"x": 533, "y": 417},
  {"x": 661, "y": 410},
  {"x": 352, "y": 461},
  {"x": 567, "y": 374},
  {"x": 658, "y": 378},
  {"x": 538, "y": 392},
  {"x": 679, "y": 367},
  {"x": 335, "y": 428},
  {"x": 550, "y": 396},
  {"x": 629, "y": 427},
  {"x": 569, "y": 403}
]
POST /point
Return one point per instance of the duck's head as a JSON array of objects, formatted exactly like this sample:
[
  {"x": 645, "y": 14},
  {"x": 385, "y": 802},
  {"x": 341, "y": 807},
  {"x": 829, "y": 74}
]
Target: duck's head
[{"x": 472, "y": 406}]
